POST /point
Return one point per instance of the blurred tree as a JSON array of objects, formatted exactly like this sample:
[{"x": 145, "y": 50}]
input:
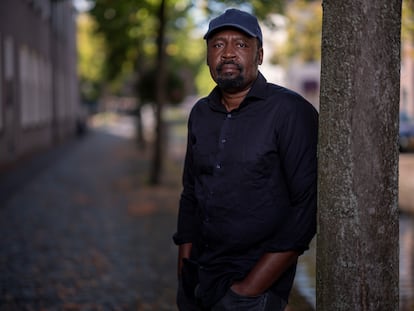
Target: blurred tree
[
  {"x": 140, "y": 35},
  {"x": 121, "y": 24},
  {"x": 203, "y": 81},
  {"x": 304, "y": 29},
  {"x": 161, "y": 94},
  {"x": 91, "y": 58},
  {"x": 407, "y": 32},
  {"x": 261, "y": 8}
]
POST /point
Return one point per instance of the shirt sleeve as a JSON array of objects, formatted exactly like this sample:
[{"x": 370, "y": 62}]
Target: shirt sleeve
[
  {"x": 298, "y": 137},
  {"x": 188, "y": 213}
]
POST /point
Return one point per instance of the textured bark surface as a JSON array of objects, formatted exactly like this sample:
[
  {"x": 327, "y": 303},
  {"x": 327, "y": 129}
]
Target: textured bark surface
[{"x": 357, "y": 247}]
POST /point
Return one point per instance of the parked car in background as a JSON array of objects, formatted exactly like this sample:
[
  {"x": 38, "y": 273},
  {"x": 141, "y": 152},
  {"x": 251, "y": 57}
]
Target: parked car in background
[{"x": 406, "y": 139}]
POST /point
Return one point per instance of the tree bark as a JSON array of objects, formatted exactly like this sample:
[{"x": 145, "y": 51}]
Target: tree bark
[
  {"x": 357, "y": 244},
  {"x": 157, "y": 160}
]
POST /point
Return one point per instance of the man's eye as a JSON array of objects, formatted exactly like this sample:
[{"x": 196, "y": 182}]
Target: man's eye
[{"x": 242, "y": 44}]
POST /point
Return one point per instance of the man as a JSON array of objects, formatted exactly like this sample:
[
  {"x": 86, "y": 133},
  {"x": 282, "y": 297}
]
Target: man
[{"x": 248, "y": 206}]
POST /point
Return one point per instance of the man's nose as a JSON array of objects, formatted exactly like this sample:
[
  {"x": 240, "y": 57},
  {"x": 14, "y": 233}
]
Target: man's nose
[{"x": 228, "y": 52}]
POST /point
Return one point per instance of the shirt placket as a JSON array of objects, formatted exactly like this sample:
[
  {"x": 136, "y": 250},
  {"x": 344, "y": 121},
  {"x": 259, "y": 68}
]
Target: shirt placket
[
  {"x": 223, "y": 140},
  {"x": 219, "y": 168}
]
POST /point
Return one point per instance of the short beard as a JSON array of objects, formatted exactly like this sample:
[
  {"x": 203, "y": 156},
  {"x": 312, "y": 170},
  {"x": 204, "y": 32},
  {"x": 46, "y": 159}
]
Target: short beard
[{"x": 229, "y": 83}]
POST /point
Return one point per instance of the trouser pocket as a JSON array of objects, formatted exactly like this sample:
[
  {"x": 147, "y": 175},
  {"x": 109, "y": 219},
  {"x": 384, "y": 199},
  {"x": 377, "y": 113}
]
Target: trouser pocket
[{"x": 232, "y": 301}]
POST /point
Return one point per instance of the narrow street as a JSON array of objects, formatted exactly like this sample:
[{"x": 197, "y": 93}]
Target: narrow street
[{"x": 86, "y": 233}]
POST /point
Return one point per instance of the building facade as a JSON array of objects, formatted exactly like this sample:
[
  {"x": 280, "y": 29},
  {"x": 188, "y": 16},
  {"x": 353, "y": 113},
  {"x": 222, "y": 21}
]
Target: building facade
[{"x": 39, "y": 102}]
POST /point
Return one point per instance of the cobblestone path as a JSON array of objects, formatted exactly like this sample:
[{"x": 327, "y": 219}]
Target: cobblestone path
[{"x": 87, "y": 234}]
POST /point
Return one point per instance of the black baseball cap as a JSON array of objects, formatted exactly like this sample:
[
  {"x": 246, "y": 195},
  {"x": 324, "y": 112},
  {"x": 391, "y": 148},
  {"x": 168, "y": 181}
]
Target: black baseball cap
[{"x": 236, "y": 19}]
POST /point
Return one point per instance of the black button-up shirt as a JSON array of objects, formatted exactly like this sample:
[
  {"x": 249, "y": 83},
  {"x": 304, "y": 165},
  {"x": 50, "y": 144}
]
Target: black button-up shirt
[{"x": 249, "y": 184}]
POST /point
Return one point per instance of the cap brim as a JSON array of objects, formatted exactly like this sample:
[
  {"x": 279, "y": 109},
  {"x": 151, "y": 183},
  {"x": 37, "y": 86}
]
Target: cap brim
[{"x": 228, "y": 25}]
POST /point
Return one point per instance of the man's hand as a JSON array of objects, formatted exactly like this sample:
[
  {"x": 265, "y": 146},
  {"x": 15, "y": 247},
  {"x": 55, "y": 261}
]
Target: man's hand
[
  {"x": 184, "y": 251},
  {"x": 267, "y": 270}
]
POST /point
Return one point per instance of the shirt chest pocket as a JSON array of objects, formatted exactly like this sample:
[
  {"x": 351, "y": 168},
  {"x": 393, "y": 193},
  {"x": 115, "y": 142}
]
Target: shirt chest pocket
[{"x": 259, "y": 160}]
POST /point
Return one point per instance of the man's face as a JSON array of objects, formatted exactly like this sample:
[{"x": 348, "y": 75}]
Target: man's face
[{"x": 233, "y": 58}]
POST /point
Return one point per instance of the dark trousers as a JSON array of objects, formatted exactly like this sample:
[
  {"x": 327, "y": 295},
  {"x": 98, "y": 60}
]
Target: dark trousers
[
  {"x": 187, "y": 302},
  {"x": 231, "y": 301}
]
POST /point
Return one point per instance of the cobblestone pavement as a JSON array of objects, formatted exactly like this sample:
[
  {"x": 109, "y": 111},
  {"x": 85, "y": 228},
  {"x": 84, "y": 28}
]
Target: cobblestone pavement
[{"x": 86, "y": 232}]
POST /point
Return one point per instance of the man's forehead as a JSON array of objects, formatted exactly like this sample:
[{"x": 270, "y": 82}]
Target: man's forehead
[{"x": 226, "y": 31}]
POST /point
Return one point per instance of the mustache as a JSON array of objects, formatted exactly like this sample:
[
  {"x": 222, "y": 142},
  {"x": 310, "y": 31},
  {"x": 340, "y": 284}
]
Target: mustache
[{"x": 229, "y": 62}]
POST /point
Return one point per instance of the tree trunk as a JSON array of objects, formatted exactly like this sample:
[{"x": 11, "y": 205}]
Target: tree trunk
[
  {"x": 156, "y": 167},
  {"x": 357, "y": 246},
  {"x": 139, "y": 126}
]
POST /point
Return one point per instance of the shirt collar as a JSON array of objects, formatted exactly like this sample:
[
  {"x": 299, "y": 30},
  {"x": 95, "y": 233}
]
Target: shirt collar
[{"x": 257, "y": 91}]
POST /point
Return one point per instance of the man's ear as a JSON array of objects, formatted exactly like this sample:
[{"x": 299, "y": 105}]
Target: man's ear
[{"x": 260, "y": 56}]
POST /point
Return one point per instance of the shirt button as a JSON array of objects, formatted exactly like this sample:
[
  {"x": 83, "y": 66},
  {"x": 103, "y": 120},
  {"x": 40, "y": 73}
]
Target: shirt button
[
  {"x": 223, "y": 140},
  {"x": 218, "y": 165},
  {"x": 229, "y": 116}
]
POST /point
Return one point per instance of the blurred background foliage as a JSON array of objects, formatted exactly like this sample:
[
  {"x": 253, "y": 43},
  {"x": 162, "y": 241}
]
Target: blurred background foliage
[
  {"x": 407, "y": 31},
  {"x": 91, "y": 57},
  {"x": 304, "y": 27}
]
